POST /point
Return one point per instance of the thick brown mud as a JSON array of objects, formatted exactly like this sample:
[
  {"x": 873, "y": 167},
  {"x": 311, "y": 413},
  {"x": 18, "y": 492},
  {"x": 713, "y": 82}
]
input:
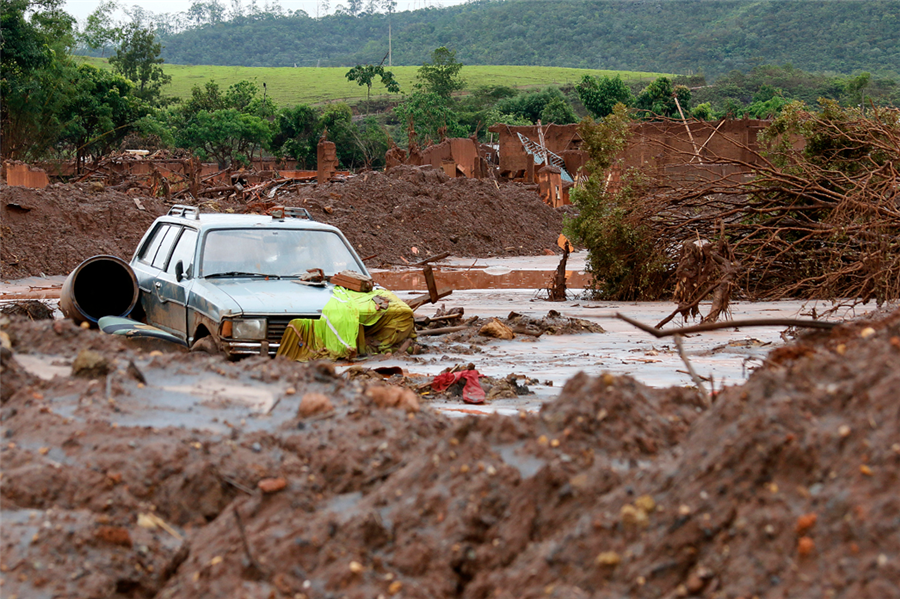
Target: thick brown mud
[{"x": 785, "y": 487}]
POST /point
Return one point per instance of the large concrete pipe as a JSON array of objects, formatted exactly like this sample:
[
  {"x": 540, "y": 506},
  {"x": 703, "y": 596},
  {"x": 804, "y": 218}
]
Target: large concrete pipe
[{"x": 100, "y": 286}]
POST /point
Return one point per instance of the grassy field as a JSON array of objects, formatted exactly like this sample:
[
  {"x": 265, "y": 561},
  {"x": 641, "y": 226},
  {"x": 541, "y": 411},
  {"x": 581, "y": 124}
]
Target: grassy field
[{"x": 308, "y": 85}]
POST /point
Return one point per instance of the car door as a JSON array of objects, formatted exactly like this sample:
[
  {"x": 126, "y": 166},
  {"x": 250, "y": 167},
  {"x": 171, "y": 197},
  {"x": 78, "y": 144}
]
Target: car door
[
  {"x": 171, "y": 293},
  {"x": 144, "y": 271},
  {"x": 149, "y": 268}
]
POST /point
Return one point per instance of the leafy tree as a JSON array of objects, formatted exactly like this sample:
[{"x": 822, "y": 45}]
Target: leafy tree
[
  {"x": 441, "y": 75},
  {"x": 431, "y": 115},
  {"x": 227, "y": 126},
  {"x": 600, "y": 94},
  {"x": 371, "y": 141},
  {"x": 100, "y": 32},
  {"x": 137, "y": 58},
  {"x": 558, "y": 111},
  {"x": 208, "y": 98},
  {"x": 243, "y": 96},
  {"x": 240, "y": 95},
  {"x": 201, "y": 13},
  {"x": 481, "y": 120},
  {"x": 35, "y": 75},
  {"x": 702, "y": 112},
  {"x": 351, "y": 141},
  {"x": 294, "y": 136},
  {"x": 227, "y": 136},
  {"x": 531, "y": 106},
  {"x": 365, "y": 75},
  {"x": 622, "y": 256},
  {"x": 855, "y": 89},
  {"x": 767, "y": 109},
  {"x": 100, "y": 111},
  {"x": 485, "y": 96},
  {"x": 658, "y": 99},
  {"x": 733, "y": 108}
]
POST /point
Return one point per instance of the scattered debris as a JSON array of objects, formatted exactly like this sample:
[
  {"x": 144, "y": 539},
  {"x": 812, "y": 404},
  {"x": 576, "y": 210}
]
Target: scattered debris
[{"x": 33, "y": 309}]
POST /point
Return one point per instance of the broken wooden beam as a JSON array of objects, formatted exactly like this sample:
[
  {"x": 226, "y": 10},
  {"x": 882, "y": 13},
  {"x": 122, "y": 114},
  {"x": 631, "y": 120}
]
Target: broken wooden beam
[{"x": 420, "y": 300}]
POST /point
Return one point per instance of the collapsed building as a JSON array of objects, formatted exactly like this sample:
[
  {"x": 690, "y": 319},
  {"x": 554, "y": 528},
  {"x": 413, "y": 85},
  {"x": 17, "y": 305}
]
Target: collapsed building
[{"x": 550, "y": 157}]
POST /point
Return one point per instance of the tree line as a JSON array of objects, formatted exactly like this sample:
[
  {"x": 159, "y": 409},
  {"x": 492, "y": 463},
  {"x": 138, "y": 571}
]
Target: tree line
[
  {"x": 56, "y": 108},
  {"x": 714, "y": 37}
]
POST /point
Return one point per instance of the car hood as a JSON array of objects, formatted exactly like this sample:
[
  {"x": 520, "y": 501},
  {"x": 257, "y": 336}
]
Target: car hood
[{"x": 273, "y": 296}]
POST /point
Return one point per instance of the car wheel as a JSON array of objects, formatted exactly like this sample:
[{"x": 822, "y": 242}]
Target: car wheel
[{"x": 208, "y": 345}]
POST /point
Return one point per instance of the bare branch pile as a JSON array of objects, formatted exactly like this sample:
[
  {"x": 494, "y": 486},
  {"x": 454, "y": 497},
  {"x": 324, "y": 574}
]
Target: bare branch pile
[{"x": 816, "y": 215}]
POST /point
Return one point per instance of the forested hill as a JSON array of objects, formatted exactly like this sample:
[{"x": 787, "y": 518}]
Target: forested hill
[{"x": 841, "y": 36}]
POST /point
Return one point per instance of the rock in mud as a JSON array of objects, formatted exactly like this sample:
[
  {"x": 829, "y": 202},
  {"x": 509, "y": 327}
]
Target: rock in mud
[
  {"x": 496, "y": 329},
  {"x": 393, "y": 397},
  {"x": 91, "y": 365},
  {"x": 313, "y": 404}
]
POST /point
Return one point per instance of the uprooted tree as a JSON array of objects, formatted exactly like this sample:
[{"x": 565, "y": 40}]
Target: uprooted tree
[{"x": 818, "y": 215}]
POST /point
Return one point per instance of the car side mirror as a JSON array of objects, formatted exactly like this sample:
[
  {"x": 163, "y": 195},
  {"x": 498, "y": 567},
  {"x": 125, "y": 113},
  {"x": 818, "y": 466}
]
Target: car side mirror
[{"x": 179, "y": 271}]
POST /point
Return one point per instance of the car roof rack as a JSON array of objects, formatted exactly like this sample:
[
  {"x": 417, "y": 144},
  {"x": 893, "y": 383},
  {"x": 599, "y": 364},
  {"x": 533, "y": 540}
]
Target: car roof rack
[
  {"x": 291, "y": 212},
  {"x": 184, "y": 211}
]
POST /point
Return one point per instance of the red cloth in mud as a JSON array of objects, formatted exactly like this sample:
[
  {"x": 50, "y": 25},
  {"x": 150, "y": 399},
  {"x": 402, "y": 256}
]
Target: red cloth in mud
[{"x": 472, "y": 391}]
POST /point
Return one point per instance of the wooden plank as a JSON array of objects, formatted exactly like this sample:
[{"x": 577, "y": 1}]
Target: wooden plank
[
  {"x": 429, "y": 281},
  {"x": 420, "y": 300}
]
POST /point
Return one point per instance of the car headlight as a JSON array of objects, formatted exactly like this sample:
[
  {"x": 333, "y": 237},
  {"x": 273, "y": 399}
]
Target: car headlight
[{"x": 251, "y": 328}]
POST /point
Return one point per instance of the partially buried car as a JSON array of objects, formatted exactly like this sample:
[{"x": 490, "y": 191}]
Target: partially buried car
[{"x": 235, "y": 282}]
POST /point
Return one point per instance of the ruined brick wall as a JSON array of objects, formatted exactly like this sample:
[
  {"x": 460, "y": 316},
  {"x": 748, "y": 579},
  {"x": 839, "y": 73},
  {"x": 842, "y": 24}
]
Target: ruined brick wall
[
  {"x": 514, "y": 161},
  {"x": 656, "y": 145},
  {"x": 550, "y": 186},
  {"x": 652, "y": 147},
  {"x": 326, "y": 155},
  {"x": 460, "y": 153},
  {"x": 19, "y": 174}
]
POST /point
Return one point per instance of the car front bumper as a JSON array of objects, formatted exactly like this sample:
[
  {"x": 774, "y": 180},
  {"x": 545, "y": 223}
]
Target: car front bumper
[{"x": 275, "y": 327}]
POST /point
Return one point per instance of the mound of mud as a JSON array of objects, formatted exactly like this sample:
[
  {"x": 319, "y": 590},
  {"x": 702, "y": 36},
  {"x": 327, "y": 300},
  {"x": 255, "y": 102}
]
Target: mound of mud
[
  {"x": 785, "y": 487},
  {"x": 389, "y": 214},
  {"x": 407, "y": 214},
  {"x": 52, "y": 230}
]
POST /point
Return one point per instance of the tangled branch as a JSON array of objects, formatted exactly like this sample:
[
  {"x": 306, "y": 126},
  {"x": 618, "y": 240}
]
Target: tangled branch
[{"x": 816, "y": 215}]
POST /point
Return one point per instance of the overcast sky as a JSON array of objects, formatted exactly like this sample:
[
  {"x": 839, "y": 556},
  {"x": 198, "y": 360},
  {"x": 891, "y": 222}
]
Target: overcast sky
[{"x": 80, "y": 9}]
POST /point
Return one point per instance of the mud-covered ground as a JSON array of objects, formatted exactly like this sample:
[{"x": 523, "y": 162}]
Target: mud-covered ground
[
  {"x": 405, "y": 215},
  {"x": 125, "y": 484},
  {"x": 141, "y": 470}
]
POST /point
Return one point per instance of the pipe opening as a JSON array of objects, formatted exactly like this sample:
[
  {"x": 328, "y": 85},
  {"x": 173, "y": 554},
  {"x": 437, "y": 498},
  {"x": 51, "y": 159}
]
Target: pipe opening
[{"x": 103, "y": 286}]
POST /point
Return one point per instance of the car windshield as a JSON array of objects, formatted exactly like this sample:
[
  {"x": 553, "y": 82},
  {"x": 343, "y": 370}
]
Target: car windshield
[{"x": 274, "y": 252}]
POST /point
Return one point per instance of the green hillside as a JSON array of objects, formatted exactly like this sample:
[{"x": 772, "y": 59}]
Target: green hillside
[
  {"x": 290, "y": 86},
  {"x": 712, "y": 36}
]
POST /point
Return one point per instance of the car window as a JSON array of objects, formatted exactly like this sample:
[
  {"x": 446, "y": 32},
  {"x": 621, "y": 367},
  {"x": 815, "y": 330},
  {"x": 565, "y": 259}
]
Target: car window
[
  {"x": 184, "y": 251},
  {"x": 148, "y": 252},
  {"x": 165, "y": 247},
  {"x": 280, "y": 252}
]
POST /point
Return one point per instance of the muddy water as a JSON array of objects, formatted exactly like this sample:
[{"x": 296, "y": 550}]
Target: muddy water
[
  {"x": 479, "y": 278},
  {"x": 724, "y": 357}
]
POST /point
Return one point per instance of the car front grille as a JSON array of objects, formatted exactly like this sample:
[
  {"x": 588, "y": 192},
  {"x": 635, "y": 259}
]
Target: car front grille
[
  {"x": 278, "y": 324},
  {"x": 276, "y": 327}
]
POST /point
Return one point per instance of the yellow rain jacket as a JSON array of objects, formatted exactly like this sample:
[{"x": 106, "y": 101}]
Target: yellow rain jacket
[{"x": 352, "y": 323}]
